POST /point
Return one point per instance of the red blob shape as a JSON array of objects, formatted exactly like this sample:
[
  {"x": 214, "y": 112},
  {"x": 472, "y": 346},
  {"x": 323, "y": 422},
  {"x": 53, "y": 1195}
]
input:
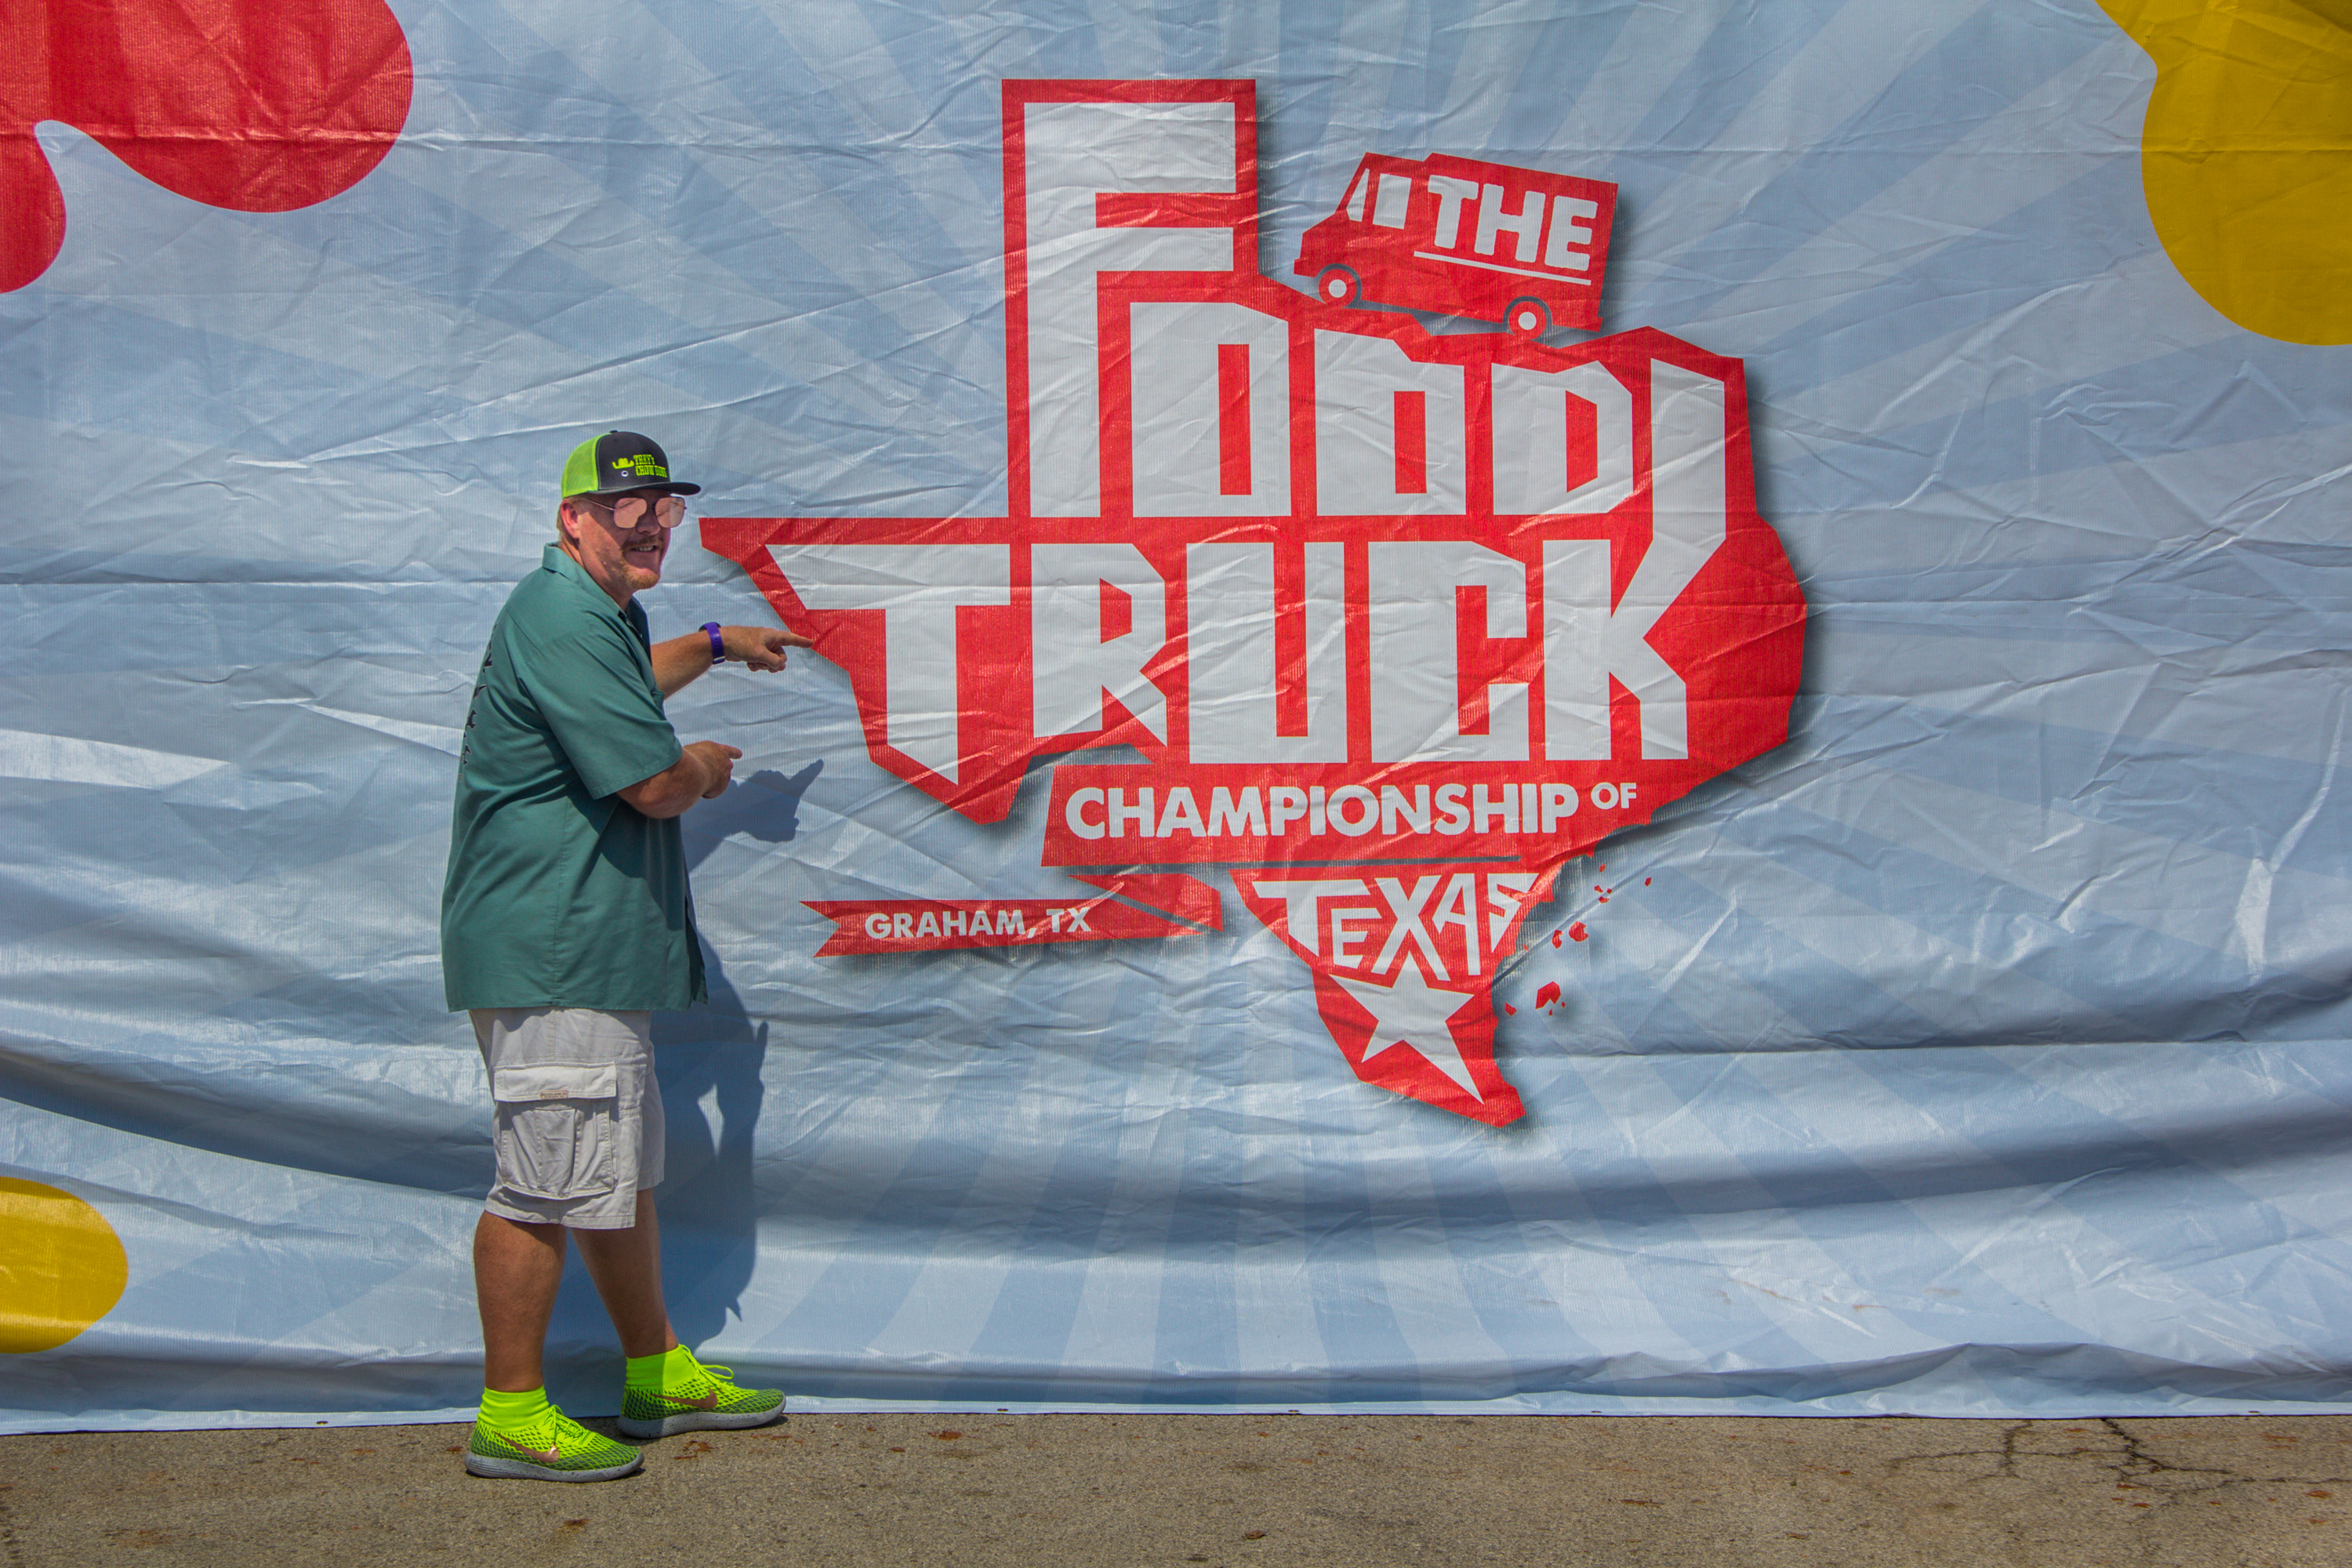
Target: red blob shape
[
  {"x": 257, "y": 106},
  {"x": 1548, "y": 995},
  {"x": 1508, "y": 1008},
  {"x": 1576, "y": 932},
  {"x": 1555, "y": 939},
  {"x": 1118, "y": 608},
  {"x": 1645, "y": 881}
]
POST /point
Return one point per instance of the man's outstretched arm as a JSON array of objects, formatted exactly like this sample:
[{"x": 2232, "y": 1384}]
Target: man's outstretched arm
[{"x": 680, "y": 659}]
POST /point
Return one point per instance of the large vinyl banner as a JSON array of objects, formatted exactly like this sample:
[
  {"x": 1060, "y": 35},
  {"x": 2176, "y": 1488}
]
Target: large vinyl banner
[{"x": 1600, "y": 708}]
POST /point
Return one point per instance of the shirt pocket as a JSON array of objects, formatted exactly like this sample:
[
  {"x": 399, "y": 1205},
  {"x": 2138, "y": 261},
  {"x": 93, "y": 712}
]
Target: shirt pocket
[{"x": 557, "y": 1129}]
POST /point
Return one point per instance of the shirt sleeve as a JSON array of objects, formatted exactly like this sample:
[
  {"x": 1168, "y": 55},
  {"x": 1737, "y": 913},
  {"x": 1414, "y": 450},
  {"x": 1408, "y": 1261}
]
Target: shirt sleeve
[{"x": 594, "y": 688}]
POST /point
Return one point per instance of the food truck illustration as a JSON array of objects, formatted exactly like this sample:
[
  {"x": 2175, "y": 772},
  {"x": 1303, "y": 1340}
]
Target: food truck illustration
[{"x": 1488, "y": 241}]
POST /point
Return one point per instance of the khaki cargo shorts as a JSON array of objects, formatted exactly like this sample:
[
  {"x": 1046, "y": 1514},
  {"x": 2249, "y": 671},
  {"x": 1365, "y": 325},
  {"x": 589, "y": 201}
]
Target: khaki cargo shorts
[{"x": 578, "y": 1114}]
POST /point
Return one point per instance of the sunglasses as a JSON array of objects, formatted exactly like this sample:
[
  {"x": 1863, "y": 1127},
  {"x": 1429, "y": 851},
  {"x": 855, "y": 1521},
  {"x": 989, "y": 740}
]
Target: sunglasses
[{"x": 630, "y": 513}]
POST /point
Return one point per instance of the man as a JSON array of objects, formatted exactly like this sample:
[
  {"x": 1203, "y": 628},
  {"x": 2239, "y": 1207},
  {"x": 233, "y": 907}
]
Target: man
[{"x": 565, "y": 920}]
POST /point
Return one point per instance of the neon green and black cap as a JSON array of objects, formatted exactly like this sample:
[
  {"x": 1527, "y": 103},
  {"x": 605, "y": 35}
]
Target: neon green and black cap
[{"x": 620, "y": 460}]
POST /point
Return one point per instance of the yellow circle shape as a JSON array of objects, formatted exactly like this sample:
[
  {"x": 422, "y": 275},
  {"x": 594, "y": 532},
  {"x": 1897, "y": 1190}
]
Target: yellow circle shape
[
  {"x": 2246, "y": 156},
  {"x": 61, "y": 1266}
]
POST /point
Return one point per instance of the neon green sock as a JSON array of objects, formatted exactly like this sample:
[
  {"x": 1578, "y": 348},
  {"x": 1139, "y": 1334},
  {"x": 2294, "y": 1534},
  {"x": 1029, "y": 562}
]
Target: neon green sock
[
  {"x": 504, "y": 1412},
  {"x": 673, "y": 1368}
]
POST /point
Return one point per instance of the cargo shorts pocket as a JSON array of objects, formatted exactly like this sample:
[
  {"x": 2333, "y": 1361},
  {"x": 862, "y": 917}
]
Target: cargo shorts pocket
[{"x": 556, "y": 1129}]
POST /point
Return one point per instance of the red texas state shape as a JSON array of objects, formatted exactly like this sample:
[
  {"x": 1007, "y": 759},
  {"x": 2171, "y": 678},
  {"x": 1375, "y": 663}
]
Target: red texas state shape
[{"x": 254, "y": 105}]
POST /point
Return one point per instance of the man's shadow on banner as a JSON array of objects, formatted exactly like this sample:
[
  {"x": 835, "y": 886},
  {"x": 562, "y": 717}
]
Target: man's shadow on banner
[{"x": 707, "y": 1060}]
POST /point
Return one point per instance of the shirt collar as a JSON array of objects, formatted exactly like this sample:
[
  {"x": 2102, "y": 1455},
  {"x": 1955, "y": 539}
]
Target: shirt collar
[
  {"x": 557, "y": 560},
  {"x": 554, "y": 559}
]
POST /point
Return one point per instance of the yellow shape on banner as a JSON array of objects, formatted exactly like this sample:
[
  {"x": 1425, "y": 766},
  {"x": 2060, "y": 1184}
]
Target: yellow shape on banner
[
  {"x": 2246, "y": 156},
  {"x": 61, "y": 1266}
]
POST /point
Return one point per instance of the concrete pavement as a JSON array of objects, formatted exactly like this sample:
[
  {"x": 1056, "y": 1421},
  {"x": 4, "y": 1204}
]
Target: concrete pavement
[{"x": 1121, "y": 1490}]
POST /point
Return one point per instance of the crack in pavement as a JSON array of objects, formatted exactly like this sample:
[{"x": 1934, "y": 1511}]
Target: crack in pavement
[{"x": 2129, "y": 1459}]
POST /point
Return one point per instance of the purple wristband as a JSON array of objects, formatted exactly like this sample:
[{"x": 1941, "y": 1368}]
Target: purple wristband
[{"x": 718, "y": 643}]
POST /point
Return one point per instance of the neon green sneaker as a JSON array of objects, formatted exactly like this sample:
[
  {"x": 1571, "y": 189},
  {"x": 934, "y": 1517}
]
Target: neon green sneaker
[
  {"x": 709, "y": 1401},
  {"x": 550, "y": 1448}
]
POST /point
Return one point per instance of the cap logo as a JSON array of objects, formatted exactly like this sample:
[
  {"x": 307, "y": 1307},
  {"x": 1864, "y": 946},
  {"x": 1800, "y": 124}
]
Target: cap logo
[{"x": 641, "y": 465}]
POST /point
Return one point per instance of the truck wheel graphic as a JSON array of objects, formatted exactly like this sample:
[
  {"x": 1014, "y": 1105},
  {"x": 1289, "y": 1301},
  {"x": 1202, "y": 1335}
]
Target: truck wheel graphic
[
  {"x": 1338, "y": 286},
  {"x": 1526, "y": 317}
]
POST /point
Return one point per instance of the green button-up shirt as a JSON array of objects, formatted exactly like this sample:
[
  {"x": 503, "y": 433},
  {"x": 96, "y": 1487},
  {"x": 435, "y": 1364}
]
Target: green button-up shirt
[{"x": 561, "y": 894}]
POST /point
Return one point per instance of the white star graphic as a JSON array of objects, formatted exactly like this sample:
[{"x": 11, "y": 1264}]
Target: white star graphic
[{"x": 1414, "y": 1014}]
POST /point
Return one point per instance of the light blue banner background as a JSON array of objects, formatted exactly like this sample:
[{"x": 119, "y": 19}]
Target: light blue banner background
[{"x": 1981, "y": 1051}]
